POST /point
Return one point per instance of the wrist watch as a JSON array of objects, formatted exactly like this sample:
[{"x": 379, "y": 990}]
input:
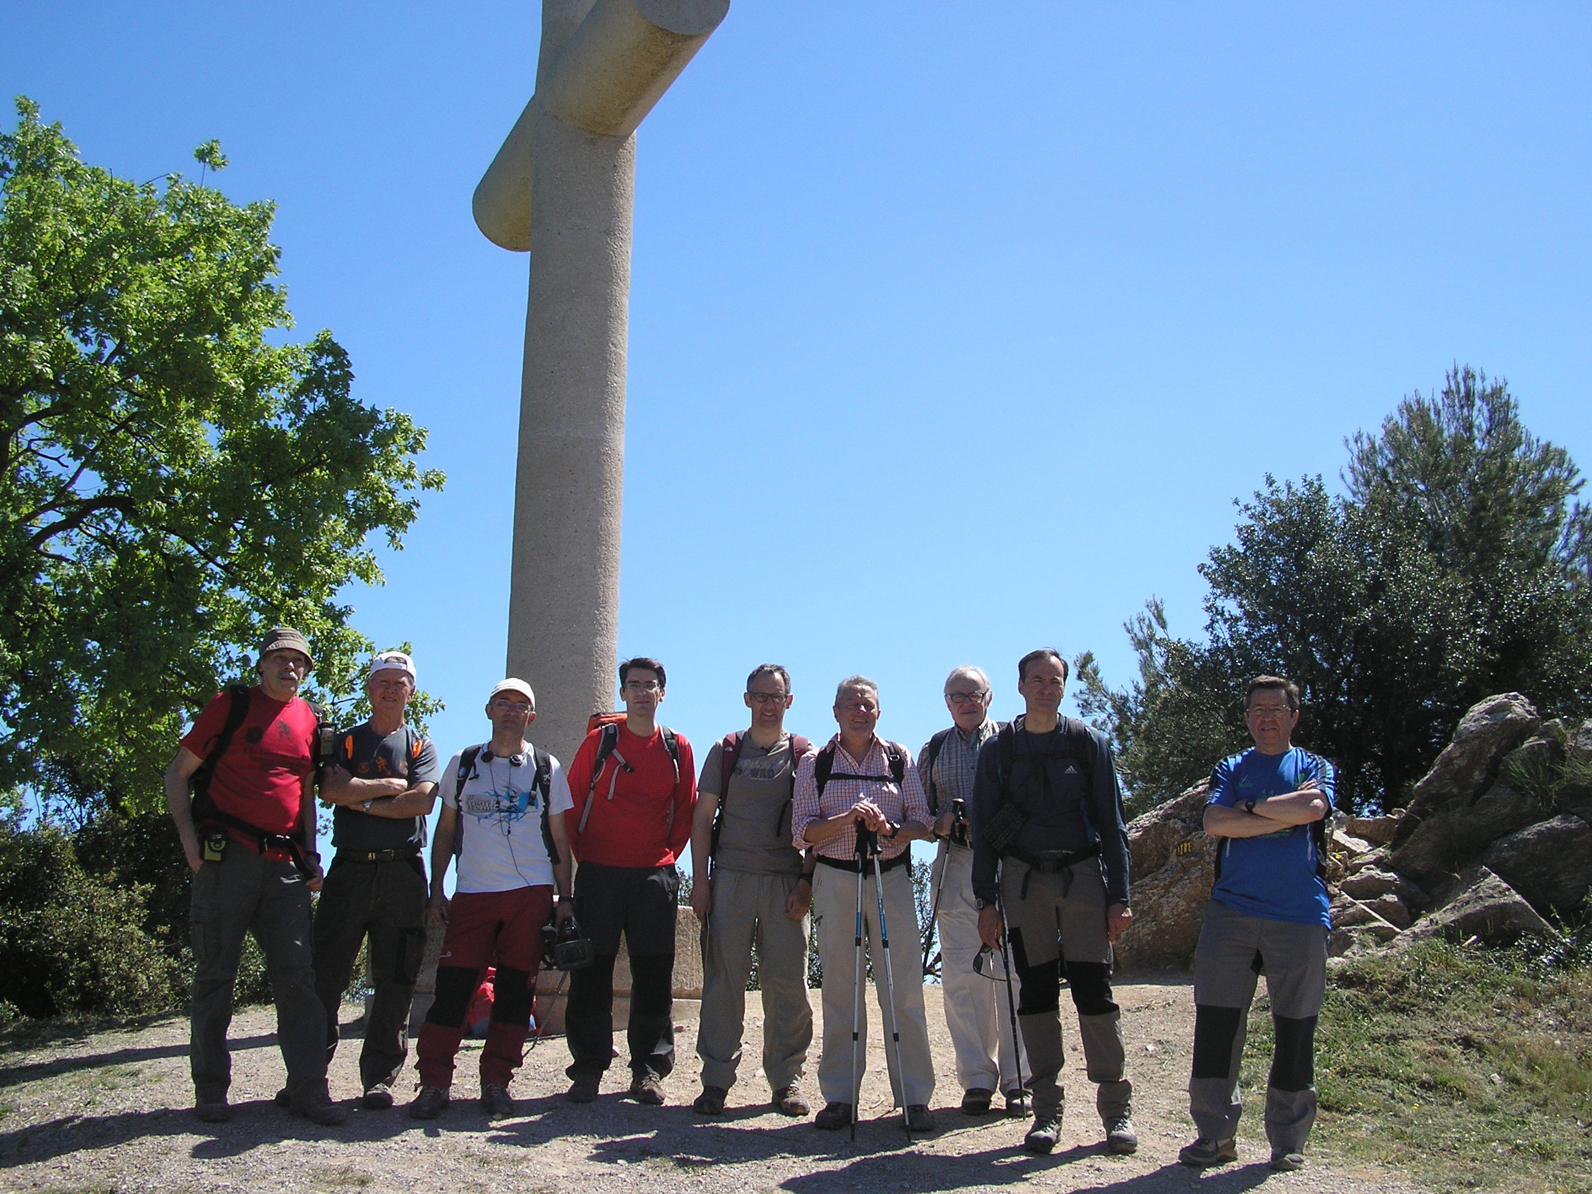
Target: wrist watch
[
  {"x": 981, "y": 903},
  {"x": 366, "y": 805},
  {"x": 1249, "y": 805}
]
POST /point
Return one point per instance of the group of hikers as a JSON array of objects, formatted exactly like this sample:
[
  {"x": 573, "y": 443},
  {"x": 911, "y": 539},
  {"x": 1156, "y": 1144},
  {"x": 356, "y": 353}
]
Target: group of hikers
[{"x": 1030, "y": 890}]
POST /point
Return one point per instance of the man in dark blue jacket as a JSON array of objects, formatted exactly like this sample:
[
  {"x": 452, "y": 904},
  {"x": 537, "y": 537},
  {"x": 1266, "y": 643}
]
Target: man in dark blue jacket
[{"x": 1048, "y": 812}]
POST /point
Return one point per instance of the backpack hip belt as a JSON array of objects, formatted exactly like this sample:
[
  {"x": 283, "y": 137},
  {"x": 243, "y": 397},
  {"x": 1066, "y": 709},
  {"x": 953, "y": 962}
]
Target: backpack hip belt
[
  {"x": 854, "y": 865},
  {"x": 1052, "y": 864}
]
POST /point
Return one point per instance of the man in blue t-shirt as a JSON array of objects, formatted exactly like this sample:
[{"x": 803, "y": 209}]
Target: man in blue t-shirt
[{"x": 1267, "y": 915}]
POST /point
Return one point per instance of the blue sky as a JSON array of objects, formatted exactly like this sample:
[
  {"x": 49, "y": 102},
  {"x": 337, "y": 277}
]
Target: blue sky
[{"x": 955, "y": 329}]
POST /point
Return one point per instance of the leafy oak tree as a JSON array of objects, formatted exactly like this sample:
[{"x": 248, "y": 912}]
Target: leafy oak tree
[
  {"x": 1455, "y": 565},
  {"x": 174, "y": 476}
]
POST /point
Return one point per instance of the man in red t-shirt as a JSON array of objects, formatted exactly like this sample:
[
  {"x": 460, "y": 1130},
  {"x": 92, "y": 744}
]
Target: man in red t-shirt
[
  {"x": 249, "y": 837},
  {"x": 629, "y": 823}
]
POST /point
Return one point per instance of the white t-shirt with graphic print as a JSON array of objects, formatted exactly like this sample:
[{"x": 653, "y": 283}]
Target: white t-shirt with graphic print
[{"x": 501, "y": 813}]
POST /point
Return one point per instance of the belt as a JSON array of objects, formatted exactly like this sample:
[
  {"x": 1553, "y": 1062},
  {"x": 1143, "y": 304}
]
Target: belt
[
  {"x": 402, "y": 854},
  {"x": 854, "y": 865},
  {"x": 1053, "y": 865}
]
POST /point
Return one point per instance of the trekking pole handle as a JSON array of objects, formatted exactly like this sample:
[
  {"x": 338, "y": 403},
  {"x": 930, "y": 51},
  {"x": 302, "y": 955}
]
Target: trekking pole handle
[{"x": 867, "y": 841}]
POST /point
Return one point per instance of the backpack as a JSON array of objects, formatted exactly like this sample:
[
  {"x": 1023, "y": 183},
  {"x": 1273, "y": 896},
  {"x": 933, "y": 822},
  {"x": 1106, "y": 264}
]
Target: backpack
[
  {"x": 931, "y": 752},
  {"x": 729, "y": 755},
  {"x": 1008, "y": 819},
  {"x": 608, "y": 744},
  {"x": 824, "y": 766},
  {"x": 205, "y": 811},
  {"x": 1318, "y": 831},
  {"x": 542, "y": 782}
]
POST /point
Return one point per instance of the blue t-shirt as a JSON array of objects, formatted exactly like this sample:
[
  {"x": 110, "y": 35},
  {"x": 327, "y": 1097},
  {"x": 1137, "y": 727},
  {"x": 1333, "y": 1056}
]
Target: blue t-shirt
[{"x": 1273, "y": 877}]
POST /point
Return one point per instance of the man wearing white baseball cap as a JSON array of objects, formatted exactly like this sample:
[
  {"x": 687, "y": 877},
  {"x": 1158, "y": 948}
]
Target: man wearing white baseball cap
[
  {"x": 382, "y": 780},
  {"x": 503, "y": 805}
]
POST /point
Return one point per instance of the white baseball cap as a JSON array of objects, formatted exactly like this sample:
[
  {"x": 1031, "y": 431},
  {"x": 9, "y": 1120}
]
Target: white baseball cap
[
  {"x": 513, "y": 685},
  {"x": 393, "y": 661}
]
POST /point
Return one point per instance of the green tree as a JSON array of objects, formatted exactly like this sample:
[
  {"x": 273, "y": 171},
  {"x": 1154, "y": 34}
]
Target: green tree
[
  {"x": 174, "y": 477},
  {"x": 1455, "y": 566}
]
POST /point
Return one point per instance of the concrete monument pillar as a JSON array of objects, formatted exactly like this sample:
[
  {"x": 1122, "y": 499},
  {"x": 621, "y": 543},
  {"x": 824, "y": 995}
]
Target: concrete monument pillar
[{"x": 561, "y": 186}]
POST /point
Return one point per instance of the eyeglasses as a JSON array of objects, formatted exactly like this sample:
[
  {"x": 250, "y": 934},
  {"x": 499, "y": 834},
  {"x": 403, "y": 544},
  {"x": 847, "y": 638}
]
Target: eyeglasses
[
  {"x": 858, "y": 707},
  {"x": 643, "y": 686},
  {"x": 967, "y": 698},
  {"x": 1282, "y": 711},
  {"x": 767, "y": 698}
]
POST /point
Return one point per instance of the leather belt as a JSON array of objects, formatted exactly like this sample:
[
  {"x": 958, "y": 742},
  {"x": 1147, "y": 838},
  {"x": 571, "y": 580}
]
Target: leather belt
[{"x": 399, "y": 855}]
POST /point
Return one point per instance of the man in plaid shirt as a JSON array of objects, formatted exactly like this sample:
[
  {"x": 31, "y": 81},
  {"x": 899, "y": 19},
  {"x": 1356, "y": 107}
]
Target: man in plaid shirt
[{"x": 872, "y": 783}]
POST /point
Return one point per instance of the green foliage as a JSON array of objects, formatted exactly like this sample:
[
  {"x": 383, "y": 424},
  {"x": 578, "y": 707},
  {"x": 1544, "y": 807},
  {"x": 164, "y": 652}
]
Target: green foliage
[
  {"x": 173, "y": 477},
  {"x": 1456, "y": 566},
  {"x": 73, "y": 942},
  {"x": 1461, "y": 1066}
]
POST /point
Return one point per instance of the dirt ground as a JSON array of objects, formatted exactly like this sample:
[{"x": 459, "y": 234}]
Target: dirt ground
[{"x": 110, "y": 1111}]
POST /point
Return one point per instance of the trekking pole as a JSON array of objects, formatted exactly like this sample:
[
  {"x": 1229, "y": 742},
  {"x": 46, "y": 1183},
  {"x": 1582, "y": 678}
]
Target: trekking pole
[
  {"x": 943, "y": 858},
  {"x": 1011, "y": 1000},
  {"x": 889, "y": 984},
  {"x": 856, "y": 992}
]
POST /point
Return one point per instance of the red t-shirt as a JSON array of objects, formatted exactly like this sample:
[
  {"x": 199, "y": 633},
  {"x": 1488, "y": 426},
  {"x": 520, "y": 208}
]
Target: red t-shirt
[
  {"x": 648, "y": 821},
  {"x": 259, "y": 778}
]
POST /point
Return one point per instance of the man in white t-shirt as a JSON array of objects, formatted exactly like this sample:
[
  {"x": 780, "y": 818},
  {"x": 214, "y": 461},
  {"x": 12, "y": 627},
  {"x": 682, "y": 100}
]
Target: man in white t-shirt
[{"x": 503, "y": 806}]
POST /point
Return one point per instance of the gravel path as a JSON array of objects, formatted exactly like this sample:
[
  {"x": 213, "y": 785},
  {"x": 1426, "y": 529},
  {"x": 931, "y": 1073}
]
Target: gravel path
[{"x": 110, "y": 1112}]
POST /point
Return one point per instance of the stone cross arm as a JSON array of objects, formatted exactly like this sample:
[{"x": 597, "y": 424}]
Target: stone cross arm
[{"x": 606, "y": 77}]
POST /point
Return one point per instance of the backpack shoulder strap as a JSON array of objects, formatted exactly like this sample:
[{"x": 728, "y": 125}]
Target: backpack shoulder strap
[
  {"x": 671, "y": 743},
  {"x": 799, "y": 748},
  {"x": 897, "y": 758},
  {"x": 1005, "y": 752},
  {"x": 467, "y": 758},
  {"x": 542, "y": 781},
  {"x": 931, "y": 752},
  {"x": 823, "y": 766},
  {"x": 1080, "y": 744},
  {"x": 729, "y": 755},
  {"x": 237, "y": 714}
]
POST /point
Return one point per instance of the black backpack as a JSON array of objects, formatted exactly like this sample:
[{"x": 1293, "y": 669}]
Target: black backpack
[
  {"x": 542, "y": 781},
  {"x": 824, "y": 766}
]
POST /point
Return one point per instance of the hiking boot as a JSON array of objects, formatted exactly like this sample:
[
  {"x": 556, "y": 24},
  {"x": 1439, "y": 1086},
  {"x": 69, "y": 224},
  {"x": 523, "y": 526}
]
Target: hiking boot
[
  {"x": 711, "y": 1100},
  {"x": 495, "y": 1102},
  {"x": 583, "y": 1089},
  {"x": 212, "y": 1111},
  {"x": 976, "y": 1100},
  {"x": 1018, "y": 1102},
  {"x": 429, "y": 1103},
  {"x": 1120, "y": 1136},
  {"x": 788, "y": 1100},
  {"x": 1287, "y": 1162},
  {"x": 283, "y": 1099},
  {"x": 377, "y": 1098},
  {"x": 833, "y": 1117},
  {"x": 318, "y": 1108},
  {"x": 920, "y": 1118},
  {"x": 1204, "y": 1153},
  {"x": 1042, "y": 1137},
  {"x": 647, "y": 1088}
]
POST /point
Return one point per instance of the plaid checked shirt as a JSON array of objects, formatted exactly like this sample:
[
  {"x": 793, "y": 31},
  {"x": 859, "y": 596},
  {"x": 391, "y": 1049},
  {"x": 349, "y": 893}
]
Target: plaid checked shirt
[
  {"x": 899, "y": 804},
  {"x": 951, "y": 776}
]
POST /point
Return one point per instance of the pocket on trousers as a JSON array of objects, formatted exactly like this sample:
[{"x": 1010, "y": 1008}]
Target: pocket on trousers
[{"x": 411, "y": 951}]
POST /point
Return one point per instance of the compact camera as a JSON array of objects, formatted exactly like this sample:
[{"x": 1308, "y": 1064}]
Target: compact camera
[{"x": 563, "y": 948}]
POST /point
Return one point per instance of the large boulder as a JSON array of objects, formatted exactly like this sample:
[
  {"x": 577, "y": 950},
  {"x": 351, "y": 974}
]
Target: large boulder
[
  {"x": 1173, "y": 864},
  {"x": 1466, "y": 768},
  {"x": 1481, "y": 905},
  {"x": 1457, "y": 832},
  {"x": 1550, "y": 863}
]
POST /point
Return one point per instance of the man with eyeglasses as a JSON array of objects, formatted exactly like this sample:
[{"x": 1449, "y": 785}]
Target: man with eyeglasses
[
  {"x": 751, "y": 889},
  {"x": 382, "y": 781},
  {"x": 1048, "y": 813},
  {"x": 1267, "y": 914},
  {"x": 859, "y": 781},
  {"x": 249, "y": 837},
  {"x": 634, "y": 784},
  {"x": 980, "y": 1026},
  {"x": 503, "y": 806}
]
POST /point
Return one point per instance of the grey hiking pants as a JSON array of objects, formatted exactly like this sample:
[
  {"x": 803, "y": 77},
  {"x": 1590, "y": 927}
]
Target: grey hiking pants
[
  {"x": 1234, "y": 949},
  {"x": 1059, "y": 921},
  {"x": 749, "y": 910},
  {"x": 249, "y": 893}
]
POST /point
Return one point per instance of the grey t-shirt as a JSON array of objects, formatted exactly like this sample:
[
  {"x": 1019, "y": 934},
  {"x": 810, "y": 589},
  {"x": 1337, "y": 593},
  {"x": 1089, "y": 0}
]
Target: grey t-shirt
[
  {"x": 405, "y": 752},
  {"x": 754, "y": 833}
]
